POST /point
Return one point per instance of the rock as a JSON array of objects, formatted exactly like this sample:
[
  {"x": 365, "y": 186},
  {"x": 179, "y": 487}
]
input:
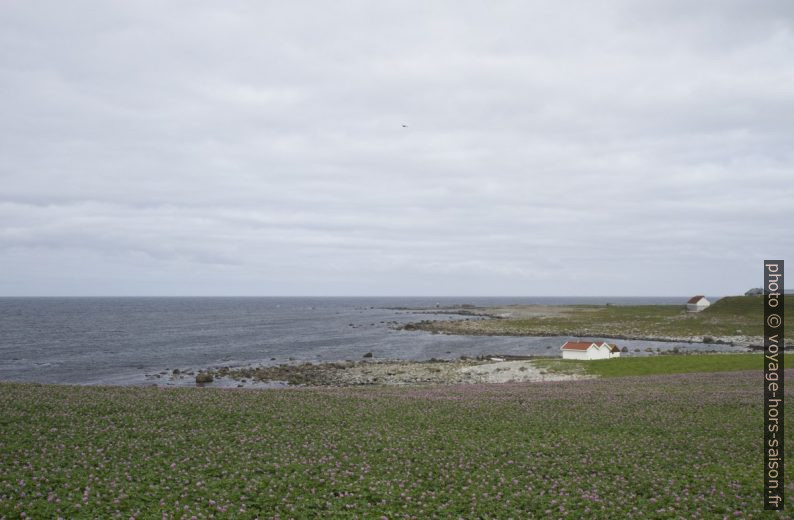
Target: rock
[
  {"x": 368, "y": 355},
  {"x": 204, "y": 377}
]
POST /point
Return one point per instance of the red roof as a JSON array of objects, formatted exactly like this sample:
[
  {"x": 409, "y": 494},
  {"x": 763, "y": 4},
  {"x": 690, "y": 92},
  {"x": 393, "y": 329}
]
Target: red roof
[
  {"x": 584, "y": 345},
  {"x": 696, "y": 299},
  {"x": 577, "y": 345},
  {"x": 581, "y": 345}
]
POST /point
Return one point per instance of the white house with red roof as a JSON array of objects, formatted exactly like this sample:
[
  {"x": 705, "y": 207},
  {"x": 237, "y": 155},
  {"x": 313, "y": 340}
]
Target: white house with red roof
[
  {"x": 697, "y": 303},
  {"x": 589, "y": 350}
]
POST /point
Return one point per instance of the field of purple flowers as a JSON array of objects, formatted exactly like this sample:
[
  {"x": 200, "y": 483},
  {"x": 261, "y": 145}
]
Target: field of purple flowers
[{"x": 680, "y": 446}]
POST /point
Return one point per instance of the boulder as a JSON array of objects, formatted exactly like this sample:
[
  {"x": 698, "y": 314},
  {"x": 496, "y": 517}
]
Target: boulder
[{"x": 204, "y": 377}]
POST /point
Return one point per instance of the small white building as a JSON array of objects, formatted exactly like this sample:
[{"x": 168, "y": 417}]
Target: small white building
[
  {"x": 589, "y": 350},
  {"x": 697, "y": 303}
]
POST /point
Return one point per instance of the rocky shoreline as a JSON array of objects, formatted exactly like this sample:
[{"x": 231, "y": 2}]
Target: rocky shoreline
[
  {"x": 390, "y": 372},
  {"x": 503, "y": 369}
]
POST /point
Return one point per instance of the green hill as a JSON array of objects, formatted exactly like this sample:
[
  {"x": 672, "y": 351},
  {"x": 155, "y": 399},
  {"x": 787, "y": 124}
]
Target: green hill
[
  {"x": 744, "y": 307},
  {"x": 745, "y": 313}
]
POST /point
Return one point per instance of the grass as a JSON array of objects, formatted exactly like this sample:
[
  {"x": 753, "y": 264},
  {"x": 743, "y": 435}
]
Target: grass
[
  {"x": 675, "y": 446},
  {"x": 648, "y": 365},
  {"x": 730, "y": 316}
]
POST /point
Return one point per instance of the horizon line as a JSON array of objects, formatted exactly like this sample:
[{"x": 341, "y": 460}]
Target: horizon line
[{"x": 356, "y": 296}]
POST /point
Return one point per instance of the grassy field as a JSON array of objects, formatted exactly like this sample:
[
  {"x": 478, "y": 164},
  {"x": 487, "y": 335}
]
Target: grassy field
[
  {"x": 675, "y": 446},
  {"x": 731, "y": 316},
  {"x": 649, "y": 365}
]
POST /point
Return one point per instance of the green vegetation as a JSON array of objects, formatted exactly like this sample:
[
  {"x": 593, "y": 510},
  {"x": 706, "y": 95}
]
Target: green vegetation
[
  {"x": 647, "y": 365},
  {"x": 731, "y": 316},
  {"x": 675, "y": 446}
]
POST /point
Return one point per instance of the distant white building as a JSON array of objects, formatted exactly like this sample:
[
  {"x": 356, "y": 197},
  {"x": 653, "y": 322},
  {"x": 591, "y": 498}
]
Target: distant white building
[
  {"x": 589, "y": 350},
  {"x": 697, "y": 303}
]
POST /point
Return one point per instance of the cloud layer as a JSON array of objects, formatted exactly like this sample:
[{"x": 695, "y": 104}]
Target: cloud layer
[{"x": 258, "y": 148}]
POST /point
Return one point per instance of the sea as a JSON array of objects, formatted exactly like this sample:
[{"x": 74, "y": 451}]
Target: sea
[{"x": 141, "y": 340}]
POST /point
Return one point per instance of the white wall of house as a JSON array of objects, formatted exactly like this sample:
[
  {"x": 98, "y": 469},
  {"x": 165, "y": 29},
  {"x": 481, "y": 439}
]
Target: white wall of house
[
  {"x": 599, "y": 352},
  {"x": 699, "y": 306},
  {"x": 594, "y": 352},
  {"x": 575, "y": 354}
]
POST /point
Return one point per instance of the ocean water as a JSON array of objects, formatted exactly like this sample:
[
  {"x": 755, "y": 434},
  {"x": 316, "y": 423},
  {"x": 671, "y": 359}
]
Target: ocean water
[{"x": 124, "y": 340}]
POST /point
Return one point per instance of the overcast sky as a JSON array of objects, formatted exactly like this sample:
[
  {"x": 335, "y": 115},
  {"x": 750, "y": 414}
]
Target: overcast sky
[{"x": 258, "y": 148}]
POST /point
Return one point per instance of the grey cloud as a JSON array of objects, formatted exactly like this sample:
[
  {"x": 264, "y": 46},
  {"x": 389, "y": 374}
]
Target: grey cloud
[{"x": 258, "y": 148}]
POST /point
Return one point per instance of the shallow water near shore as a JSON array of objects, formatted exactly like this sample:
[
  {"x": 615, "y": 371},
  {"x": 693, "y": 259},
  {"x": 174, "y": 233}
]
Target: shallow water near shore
[{"x": 132, "y": 341}]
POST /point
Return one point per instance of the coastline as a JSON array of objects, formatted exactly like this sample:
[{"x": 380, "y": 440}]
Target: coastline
[
  {"x": 491, "y": 369},
  {"x": 387, "y": 372},
  {"x": 731, "y": 322}
]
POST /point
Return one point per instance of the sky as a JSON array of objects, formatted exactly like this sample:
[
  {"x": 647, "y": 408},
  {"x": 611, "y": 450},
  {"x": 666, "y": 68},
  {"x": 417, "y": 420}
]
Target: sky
[{"x": 354, "y": 148}]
